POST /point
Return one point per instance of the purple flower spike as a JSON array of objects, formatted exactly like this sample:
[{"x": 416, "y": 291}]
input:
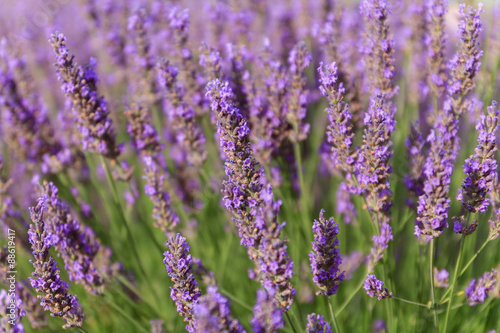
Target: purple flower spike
[
  {"x": 480, "y": 168},
  {"x": 435, "y": 39},
  {"x": 267, "y": 316},
  {"x": 464, "y": 66},
  {"x": 416, "y": 160},
  {"x": 75, "y": 243},
  {"x": 441, "y": 278},
  {"x": 213, "y": 315},
  {"x": 89, "y": 109},
  {"x": 45, "y": 279},
  {"x": 481, "y": 288},
  {"x": 252, "y": 204},
  {"x": 317, "y": 324},
  {"x": 378, "y": 48},
  {"x": 325, "y": 257},
  {"x": 185, "y": 292},
  {"x": 434, "y": 203},
  {"x": 375, "y": 288},
  {"x": 340, "y": 130}
]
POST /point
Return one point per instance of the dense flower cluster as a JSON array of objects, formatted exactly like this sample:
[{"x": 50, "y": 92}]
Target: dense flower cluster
[
  {"x": 325, "y": 258},
  {"x": 317, "y": 324},
  {"x": 435, "y": 39},
  {"x": 249, "y": 200},
  {"x": 212, "y": 314},
  {"x": 478, "y": 290},
  {"x": 185, "y": 292},
  {"x": 481, "y": 167},
  {"x": 375, "y": 288},
  {"x": 267, "y": 316},
  {"x": 75, "y": 243},
  {"x": 54, "y": 295},
  {"x": 89, "y": 109}
]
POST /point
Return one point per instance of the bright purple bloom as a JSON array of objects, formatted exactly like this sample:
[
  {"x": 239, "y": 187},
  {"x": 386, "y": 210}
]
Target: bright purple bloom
[
  {"x": 74, "y": 242},
  {"x": 375, "y": 288},
  {"x": 481, "y": 288},
  {"x": 89, "y": 109},
  {"x": 317, "y": 324},
  {"x": 185, "y": 292},
  {"x": 380, "y": 244},
  {"x": 213, "y": 315},
  {"x": 45, "y": 279},
  {"x": 252, "y": 204},
  {"x": 267, "y": 315},
  {"x": 481, "y": 167},
  {"x": 325, "y": 257}
]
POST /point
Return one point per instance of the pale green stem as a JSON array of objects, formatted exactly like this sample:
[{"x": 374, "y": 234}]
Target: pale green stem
[
  {"x": 433, "y": 291},
  {"x": 454, "y": 283},
  {"x": 332, "y": 314}
]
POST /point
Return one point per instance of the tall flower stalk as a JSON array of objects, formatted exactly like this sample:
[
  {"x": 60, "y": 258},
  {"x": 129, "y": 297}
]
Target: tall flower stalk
[{"x": 252, "y": 204}]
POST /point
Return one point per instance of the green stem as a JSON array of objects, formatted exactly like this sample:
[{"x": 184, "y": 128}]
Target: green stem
[
  {"x": 290, "y": 321},
  {"x": 126, "y": 315},
  {"x": 332, "y": 314},
  {"x": 303, "y": 195},
  {"x": 81, "y": 330},
  {"x": 236, "y": 300},
  {"x": 433, "y": 291},
  {"x": 119, "y": 209},
  {"x": 454, "y": 283},
  {"x": 351, "y": 296},
  {"x": 410, "y": 302}
]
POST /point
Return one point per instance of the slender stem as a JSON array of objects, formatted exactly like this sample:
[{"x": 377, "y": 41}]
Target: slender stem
[
  {"x": 81, "y": 329},
  {"x": 433, "y": 291},
  {"x": 122, "y": 215},
  {"x": 411, "y": 302},
  {"x": 332, "y": 314},
  {"x": 126, "y": 315},
  {"x": 236, "y": 300},
  {"x": 290, "y": 321},
  {"x": 303, "y": 195},
  {"x": 351, "y": 296},
  {"x": 474, "y": 257},
  {"x": 455, "y": 278},
  {"x": 443, "y": 299}
]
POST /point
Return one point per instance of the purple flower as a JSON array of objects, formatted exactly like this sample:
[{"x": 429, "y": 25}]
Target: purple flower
[
  {"x": 325, "y": 257},
  {"x": 464, "y": 66},
  {"x": 251, "y": 202},
  {"x": 381, "y": 242},
  {"x": 480, "y": 168},
  {"x": 435, "y": 40},
  {"x": 212, "y": 314},
  {"x": 11, "y": 310},
  {"x": 185, "y": 292},
  {"x": 141, "y": 130},
  {"x": 165, "y": 217},
  {"x": 481, "y": 288},
  {"x": 375, "y": 288},
  {"x": 416, "y": 160},
  {"x": 441, "y": 278},
  {"x": 378, "y": 49},
  {"x": 75, "y": 243},
  {"x": 340, "y": 132},
  {"x": 89, "y": 109},
  {"x": 317, "y": 324},
  {"x": 267, "y": 316},
  {"x": 45, "y": 279}
]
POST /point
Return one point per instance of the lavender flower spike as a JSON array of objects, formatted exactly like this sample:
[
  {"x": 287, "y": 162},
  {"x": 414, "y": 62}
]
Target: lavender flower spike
[
  {"x": 45, "y": 279},
  {"x": 325, "y": 258},
  {"x": 466, "y": 62},
  {"x": 378, "y": 48},
  {"x": 340, "y": 130},
  {"x": 317, "y": 324},
  {"x": 480, "y": 289},
  {"x": 267, "y": 316},
  {"x": 481, "y": 167},
  {"x": 251, "y": 202},
  {"x": 375, "y": 288},
  {"x": 89, "y": 109},
  {"x": 435, "y": 40},
  {"x": 212, "y": 314},
  {"x": 185, "y": 292},
  {"x": 75, "y": 243}
]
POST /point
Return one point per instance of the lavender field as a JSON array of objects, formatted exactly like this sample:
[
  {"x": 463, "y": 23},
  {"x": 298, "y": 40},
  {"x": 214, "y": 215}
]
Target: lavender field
[{"x": 152, "y": 150}]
